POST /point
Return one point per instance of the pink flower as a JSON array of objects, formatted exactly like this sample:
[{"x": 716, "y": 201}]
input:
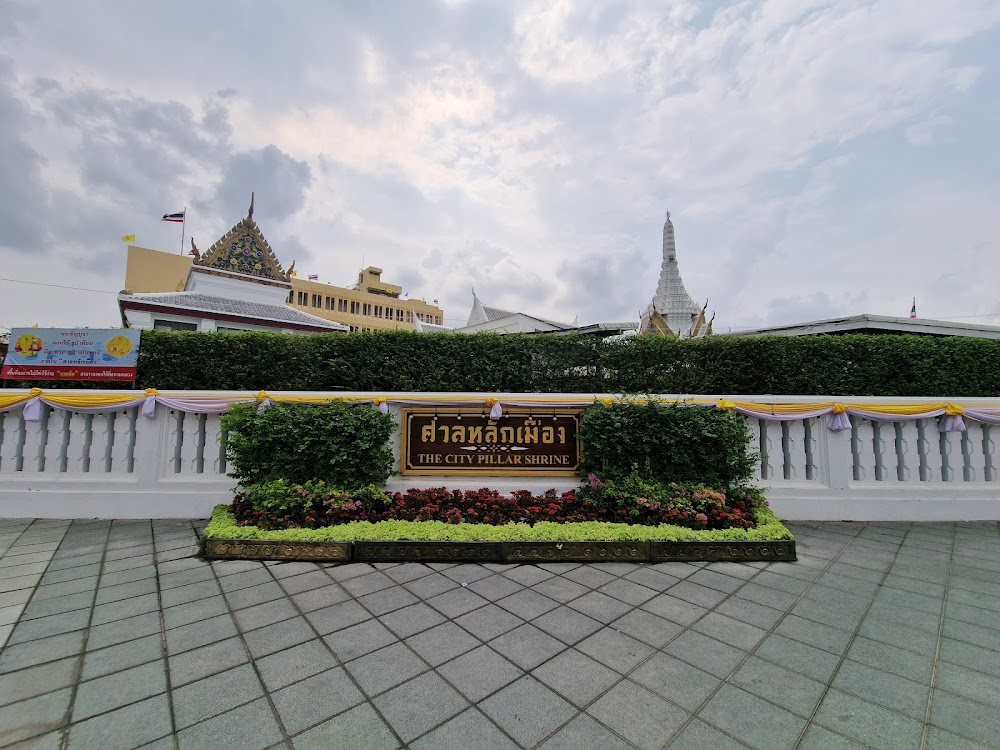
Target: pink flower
[
  {"x": 593, "y": 481},
  {"x": 701, "y": 517}
]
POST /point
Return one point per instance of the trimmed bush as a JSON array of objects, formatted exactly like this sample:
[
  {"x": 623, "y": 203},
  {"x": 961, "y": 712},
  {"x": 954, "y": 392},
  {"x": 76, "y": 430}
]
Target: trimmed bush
[
  {"x": 637, "y": 443},
  {"x": 340, "y": 443}
]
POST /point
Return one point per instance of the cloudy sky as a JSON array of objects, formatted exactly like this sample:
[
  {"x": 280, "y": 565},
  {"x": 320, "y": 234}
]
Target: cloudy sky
[{"x": 819, "y": 157}]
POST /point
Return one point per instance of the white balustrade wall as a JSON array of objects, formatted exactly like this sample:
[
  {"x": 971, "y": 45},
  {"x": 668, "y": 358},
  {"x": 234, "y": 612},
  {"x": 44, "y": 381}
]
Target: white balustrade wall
[{"x": 173, "y": 465}]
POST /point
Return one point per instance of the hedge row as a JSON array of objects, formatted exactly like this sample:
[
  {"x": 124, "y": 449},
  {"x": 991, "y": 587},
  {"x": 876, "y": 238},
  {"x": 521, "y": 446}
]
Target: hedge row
[{"x": 849, "y": 365}]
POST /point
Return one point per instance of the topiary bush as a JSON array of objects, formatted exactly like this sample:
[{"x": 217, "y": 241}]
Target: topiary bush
[
  {"x": 631, "y": 441},
  {"x": 343, "y": 444}
]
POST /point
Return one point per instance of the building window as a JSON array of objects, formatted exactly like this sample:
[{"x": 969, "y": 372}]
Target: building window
[
  {"x": 303, "y": 299},
  {"x": 317, "y": 300},
  {"x": 173, "y": 325},
  {"x": 378, "y": 311},
  {"x": 399, "y": 313},
  {"x": 388, "y": 313},
  {"x": 366, "y": 308},
  {"x": 355, "y": 307},
  {"x": 291, "y": 298},
  {"x": 409, "y": 316},
  {"x": 341, "y": 305}
]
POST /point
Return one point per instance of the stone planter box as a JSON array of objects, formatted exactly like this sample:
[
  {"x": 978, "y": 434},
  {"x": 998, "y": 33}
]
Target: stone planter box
[{"x": 500, "y": 552}]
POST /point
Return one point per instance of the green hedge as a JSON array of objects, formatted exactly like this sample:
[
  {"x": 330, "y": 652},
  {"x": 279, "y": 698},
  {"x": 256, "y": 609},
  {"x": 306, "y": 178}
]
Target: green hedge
[
  {"x": 666, "y": 443},
  {"x": 850, "y": 365}
]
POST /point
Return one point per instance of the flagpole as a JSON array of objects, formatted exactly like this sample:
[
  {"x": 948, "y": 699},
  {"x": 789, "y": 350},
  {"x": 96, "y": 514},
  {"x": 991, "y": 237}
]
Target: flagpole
[{"x": 183, "y": 227}]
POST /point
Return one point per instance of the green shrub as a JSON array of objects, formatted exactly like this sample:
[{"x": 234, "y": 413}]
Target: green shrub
[
  {"x": 635, "y": 442},
  {"x": 343, "y": 444}
]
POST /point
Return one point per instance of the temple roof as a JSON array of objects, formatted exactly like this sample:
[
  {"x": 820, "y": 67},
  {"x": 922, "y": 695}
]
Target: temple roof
[
  {"x": 254, "y": 311},
  {"x": 672, "y": 311},
  {"x": 243, "y": 250}
]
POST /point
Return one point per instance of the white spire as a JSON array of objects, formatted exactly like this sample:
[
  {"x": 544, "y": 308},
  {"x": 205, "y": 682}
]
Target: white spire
[
  {"x": 477, "y": 314},
  {"x": 671, "y": 300}
]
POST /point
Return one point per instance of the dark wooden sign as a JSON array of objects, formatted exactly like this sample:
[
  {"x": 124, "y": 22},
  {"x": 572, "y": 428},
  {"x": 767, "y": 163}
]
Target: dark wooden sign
[{"x": 520, "y": 443}]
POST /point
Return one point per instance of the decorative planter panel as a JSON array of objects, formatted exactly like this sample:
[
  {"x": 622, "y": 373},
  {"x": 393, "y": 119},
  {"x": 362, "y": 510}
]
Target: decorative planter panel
[
  {"x": 722, "y": 551},
  {"x": 255, "y": 549},
  {"x": 428, "y": 552},
  {"x": 532, "y": 552}
]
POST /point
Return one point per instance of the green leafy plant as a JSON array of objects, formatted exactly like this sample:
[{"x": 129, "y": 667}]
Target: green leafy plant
[
  {"x": 635, "y": 443},
  {"x": 223, "y": 526},
  {"x": 340, "y": 443}
]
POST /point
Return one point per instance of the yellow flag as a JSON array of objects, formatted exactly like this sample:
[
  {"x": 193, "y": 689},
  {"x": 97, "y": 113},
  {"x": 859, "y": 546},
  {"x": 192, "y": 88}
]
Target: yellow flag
[{"x": 128, "y": 238}]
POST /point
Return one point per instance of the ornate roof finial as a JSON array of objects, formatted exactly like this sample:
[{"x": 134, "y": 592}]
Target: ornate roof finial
[
  {"x": 291, "y": 271},
  {"x": 250, "y": 212},
  {"x": 195, "y": 253},
  {"x": 668, "y": 214}
]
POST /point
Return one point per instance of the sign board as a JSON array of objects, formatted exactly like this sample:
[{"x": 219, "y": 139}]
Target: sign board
[
  {"x": 71, "y": 354},
  {"x": 520, "y": 443}
]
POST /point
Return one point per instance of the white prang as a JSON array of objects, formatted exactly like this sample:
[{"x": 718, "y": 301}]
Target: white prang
[{"x": 672, "y": 311}]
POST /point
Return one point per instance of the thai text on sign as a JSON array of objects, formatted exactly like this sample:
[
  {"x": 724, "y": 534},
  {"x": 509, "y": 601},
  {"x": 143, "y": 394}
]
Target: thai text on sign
[
  {"x": 463, "y": 442},
  {"x": 71, "y": 354}
]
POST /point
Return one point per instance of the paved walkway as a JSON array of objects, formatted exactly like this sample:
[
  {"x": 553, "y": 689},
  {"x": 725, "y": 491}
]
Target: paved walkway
[{"x": 882, "y": 635}]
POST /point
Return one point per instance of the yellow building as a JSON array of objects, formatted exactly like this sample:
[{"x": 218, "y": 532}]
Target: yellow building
[{"x": 370, "y": 305}]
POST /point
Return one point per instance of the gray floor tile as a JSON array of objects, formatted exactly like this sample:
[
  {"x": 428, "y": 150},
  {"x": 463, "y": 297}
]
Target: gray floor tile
[
  {"x": 457, "y": 602},
  {"x": 560, "y": 589},
  {"x": 673, "y": 609},
  {"x": 358, "y": 640},
  {"x": 527, "y": 604},
  {"x": 566, "y": 624},
  {"x": 361, "y": 724},
  {"x": 277, "y": 637},
  {"x": 868, "y": 723},
  {"x": 268, "y": 613},
  {"x": 976, "y": 686},
  {"x": 118, "y": 689},
  {"x": 215, "y": 695},
  {"x": 470, "y": 729},
  {"x": 798, "y": 657},
  {"x": 387, "y": 600},
  {"x": 294, "y": 664},
  {"x": 36, "y": 680},
  {"x": 384, "y": 669},
  {"x": 527, "y": 575},
  {"x": 820, "y": 738},
  {"x": 641, "y": 717},
  {"x": 677, "y": 681},
  {"x": 489, "y": 622},
  {"x": 615, "y": 649},
  {"x": 973, "y": 657},
  {"x": 23, "y": 655},
  {"x": 441, "y": 643},
  {"x": 202, "y": 609},
  {"x": 480, "y": 672},
  {"x": 411, "y": 620},
  {"x": 201, "y": 633},
  {"x": 338, "y": 616},
  {"x": 319, "y": 598},
  {"x": 253, "y": 595},
  {"x": 430, "y": 585},
  {"x": 701, "y": 736},
  {"x": 728, "y": 630},
  {"x": 131, "y": 726},
  {"x": 585, "y": 732},
  {"x": 795, "y": 692},
  {"x": 589, "y": 576},
  {"x": 123, "y": 656},
  {"x": 419, "y": 705},
  {"x": 897, "y": 693},
  {"x": 44, "y": 627},
  {"x": 248, "y": 727},
  {"x": 35, "y": 716},
  {"x": 201, "y": 662},
  {"x": 941, "y": 739},
  {"x": 368, "y": 583},
  {"x": 758, "y": 723},
  {"x": 306, "y": 581},
  {"x": 897, "y": 661},
  {"x": 406, "y": 572},
  {"x": 527, "y": 646},
  {"x": 709, "y": 654},
  {"x": 600, "y": 607},
  {"x": 966, "y": 718},
  {"x": 576, "y": 677},
  {"x": 314, "y": 700},
  {"x": 527, "y": 710}
]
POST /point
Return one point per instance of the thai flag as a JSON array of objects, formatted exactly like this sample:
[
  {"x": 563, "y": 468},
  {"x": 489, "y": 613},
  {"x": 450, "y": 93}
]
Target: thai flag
[
  {"x": 913, "y": 310},
  {"x": 313, "y": 277},
  {"x": 176, "y": 218}
]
